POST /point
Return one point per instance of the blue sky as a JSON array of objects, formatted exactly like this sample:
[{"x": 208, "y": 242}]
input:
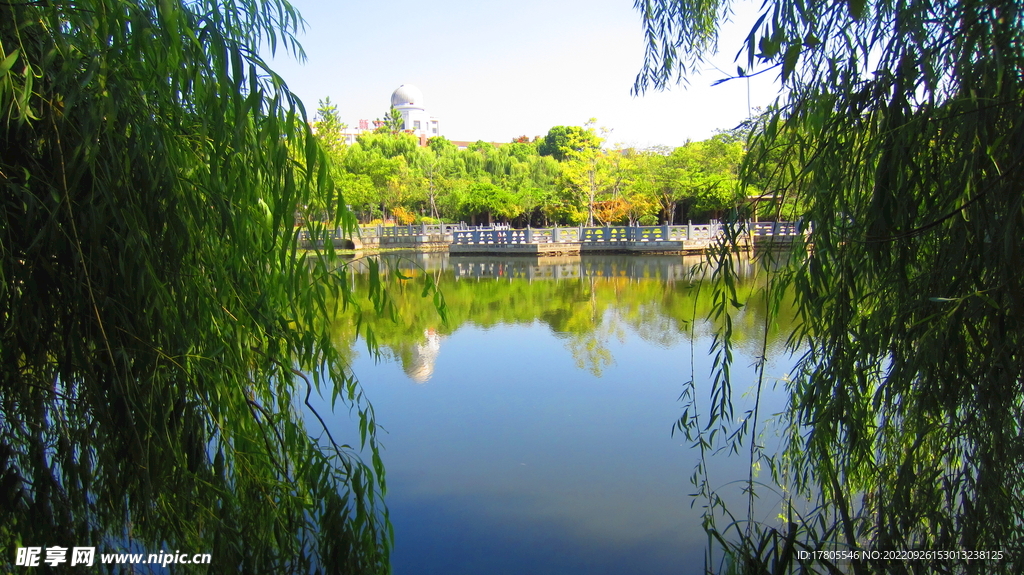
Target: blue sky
[{"x": 493, "y": 71}]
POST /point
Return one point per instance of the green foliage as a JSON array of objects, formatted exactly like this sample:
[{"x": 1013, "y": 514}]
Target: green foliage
[
  {"x": 562, "y": 141},
  {"x": 482, "y": 197},
  {"x": 579, "y": 151},
  {"x": 392, "y": 123},
  {"x": 902, "y": 137},
  {"x": 388, "y": 145},
  {"x": 565, "y": 178},
  {"x": 328, "y": 127},
  {"x": 704, "y": 175},
  {"x": 378, "y": 177},
  {"x": 441, "y": 145},
  {"x": 159, "y": 330},
  {"x": 696, "y": 181}
]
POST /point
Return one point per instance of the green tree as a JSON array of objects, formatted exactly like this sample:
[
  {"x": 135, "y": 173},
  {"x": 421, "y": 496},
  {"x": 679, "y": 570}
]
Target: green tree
[
  {"x": 902, "y": 132},
  {"x": 392, "y": 123},
  {"x": 329, "y": 127},
  {"x": 389, "y": 145},
  {"x": 440, "y": 144},
  {"x": 358, "y": 192},
  {"x": 486, "y": 198},
  {"x": 562, "y": 140},
  {"x": 579, "y": 151},
  {"x": 435, "y": 180},
  {"x": 432, "y": 165},
  {"x": 387, "y": 160},
  {"x": 158, "y": 333},
  {"x": 639, "y": 188},
  {"x": 704, "y": 175}
]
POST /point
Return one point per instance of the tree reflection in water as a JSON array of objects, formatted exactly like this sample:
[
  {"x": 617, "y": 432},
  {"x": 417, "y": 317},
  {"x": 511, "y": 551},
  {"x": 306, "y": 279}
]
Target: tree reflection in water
[{"x": 542, "y": 436}]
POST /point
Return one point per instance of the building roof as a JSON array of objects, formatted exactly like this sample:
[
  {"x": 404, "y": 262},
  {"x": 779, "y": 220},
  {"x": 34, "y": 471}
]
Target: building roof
[{"x": 407, "y": 95}]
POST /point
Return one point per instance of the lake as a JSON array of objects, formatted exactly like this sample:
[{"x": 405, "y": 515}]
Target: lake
[{"x": 533, "y": 432}]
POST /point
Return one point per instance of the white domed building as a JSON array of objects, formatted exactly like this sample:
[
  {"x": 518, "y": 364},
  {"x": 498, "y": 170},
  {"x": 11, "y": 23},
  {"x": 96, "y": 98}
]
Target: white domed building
[{"x": 408, "y": 100}]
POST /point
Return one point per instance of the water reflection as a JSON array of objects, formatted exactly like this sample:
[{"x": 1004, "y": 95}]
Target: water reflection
[
  {"x": 586, "y": 302},
  {"x": 424, "y": 355},
  {"x": 541, "y": 442},
  {"x": 667, "y": 268}
]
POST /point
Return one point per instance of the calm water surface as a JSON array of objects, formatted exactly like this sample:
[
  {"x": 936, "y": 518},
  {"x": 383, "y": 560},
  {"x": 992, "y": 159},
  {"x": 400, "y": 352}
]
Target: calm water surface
[{"x": 532, "y": 434}]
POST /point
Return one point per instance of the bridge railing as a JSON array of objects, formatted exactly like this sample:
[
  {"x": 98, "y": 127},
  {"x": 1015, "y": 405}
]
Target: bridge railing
[
  {"x": 776, "y": 229},
  {"x": 462, "y": 234},
  {"x": 406, "y": 231},
  {"x": 492, "y": 236},
  {"x": 334, "y": 234},
  {"x": 589, "y": 235}
]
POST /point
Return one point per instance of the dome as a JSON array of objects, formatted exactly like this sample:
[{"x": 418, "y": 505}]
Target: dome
[{"x": 407, "y": 95}]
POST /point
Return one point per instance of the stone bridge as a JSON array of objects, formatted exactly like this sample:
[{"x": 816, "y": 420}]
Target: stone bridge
[{"x": 461, "y": 239}]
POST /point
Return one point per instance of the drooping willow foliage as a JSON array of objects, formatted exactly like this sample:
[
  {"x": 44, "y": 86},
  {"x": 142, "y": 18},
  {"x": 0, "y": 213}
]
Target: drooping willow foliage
[
  {"x": 902, "y": 130},
  {"x": 159, "y": 330}
]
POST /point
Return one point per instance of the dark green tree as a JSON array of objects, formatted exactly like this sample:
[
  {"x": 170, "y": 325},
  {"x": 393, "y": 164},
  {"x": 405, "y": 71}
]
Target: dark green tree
[
  {"x": 902, "y": 133},
  {"x": 159, "y": 330}
]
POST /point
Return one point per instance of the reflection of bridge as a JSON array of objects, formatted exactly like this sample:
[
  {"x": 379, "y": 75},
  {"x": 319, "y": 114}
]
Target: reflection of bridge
[
  {"x": 628, "y": 266},
  {"x": 461, "y": 239},
  {"x": 570, "y": 267}
]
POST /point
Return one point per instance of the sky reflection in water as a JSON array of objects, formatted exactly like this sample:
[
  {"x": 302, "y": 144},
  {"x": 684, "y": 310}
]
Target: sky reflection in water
[{"x": 510, "y": 457}]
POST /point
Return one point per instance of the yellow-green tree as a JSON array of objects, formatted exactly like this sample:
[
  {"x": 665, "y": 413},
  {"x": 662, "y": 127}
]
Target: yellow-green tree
[{"x": 578, "y": 150}]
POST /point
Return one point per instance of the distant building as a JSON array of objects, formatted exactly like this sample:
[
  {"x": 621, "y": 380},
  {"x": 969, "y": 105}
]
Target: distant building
[
  {"x": 408, "y": 100},
  {"x": 350, "y": 134}
]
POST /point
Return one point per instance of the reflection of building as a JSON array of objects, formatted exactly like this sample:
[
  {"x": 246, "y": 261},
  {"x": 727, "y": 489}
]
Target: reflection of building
[{"x": 424, "y": 355}]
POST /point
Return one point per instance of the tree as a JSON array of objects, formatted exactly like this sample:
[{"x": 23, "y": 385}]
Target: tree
[
  {"x": 328, "y": 130},
  {"x": 703, "y": 176},
  {"x": 392, "y": 123},
  {"x": 639, "y": 190},
  {"x": 610, "y": 172},
  {"x": 328, "y": 127},
  {"x": 904, "y": 126},
  {"x": 441, "y": 145},
  {"x": 390, "y": 178},
  {"x": 561, "y": 140},
  {"x": 432, "y": 165},
  {"x": 388, "y": 145},
  {"x": 579, "y": 150},
  {"x": 484, "y": 197},
  {"x": 158, "y": 331}
]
